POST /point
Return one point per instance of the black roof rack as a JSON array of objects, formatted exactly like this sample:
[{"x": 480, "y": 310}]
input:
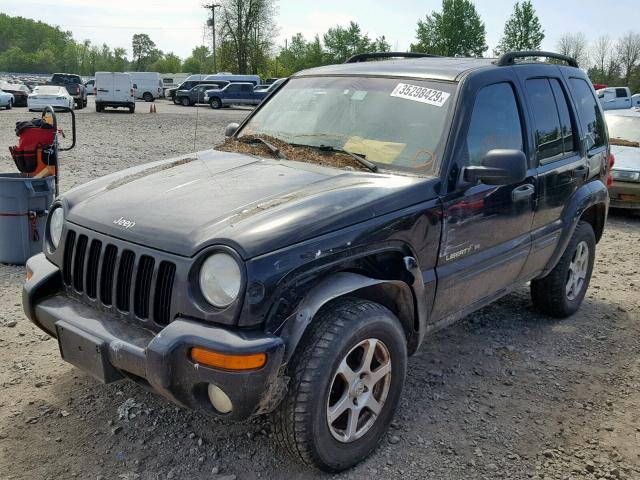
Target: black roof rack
[
  {"x": 509, "y": 57},
  {"x": 363, "y": 57}
]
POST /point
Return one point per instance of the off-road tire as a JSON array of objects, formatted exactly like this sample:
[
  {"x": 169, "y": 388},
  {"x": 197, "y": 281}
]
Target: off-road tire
[
  {"x": 147, "y": 97},
  {"x": 215, "y": 103},
  {"x": 549, "y": 293},
  {"x": 300, "y": 422}
]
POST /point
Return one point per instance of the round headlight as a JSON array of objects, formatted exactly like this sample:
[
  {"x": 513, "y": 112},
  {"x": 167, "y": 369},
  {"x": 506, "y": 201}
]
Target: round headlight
[
  {"x": 220, "y": 279},
  {"x": 55, "y": 226}
]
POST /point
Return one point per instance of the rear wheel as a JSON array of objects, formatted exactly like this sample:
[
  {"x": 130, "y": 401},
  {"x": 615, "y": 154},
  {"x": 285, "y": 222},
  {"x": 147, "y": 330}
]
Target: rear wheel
[
  {"x": 99, "y": 107},
  {"x": 147, "y": 97},
  {"x": 560, "y": 293},
  {"x": 78, "y": 104},
  {"x": 186, "y": 102},
  {"x": 346, "y": 381},
  {"x": 85, "y": 102},
  {"x": 132, "y": 109},
  {"x": 215, "y": 103}
]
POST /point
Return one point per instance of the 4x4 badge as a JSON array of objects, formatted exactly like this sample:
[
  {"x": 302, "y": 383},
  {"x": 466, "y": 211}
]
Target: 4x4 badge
[{"x": 124, "y": 223}]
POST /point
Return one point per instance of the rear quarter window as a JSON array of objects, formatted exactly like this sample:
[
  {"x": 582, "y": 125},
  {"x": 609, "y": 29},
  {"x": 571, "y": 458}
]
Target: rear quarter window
[{"x": 590, "y": 115}]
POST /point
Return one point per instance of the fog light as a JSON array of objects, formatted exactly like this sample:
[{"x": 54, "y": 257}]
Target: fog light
[{"x": 220, "y": 401}]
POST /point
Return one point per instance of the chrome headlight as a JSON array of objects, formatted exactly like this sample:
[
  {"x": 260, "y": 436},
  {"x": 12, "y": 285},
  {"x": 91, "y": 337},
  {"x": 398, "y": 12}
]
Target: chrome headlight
[
  {"x": 220, "y": 279},
  {"x": 56, "y": 221},
  {"x": 625, "y": 175}
]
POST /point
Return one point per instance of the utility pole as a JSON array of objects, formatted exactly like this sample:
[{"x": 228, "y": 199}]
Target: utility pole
[{"x": 212, "y": 22}]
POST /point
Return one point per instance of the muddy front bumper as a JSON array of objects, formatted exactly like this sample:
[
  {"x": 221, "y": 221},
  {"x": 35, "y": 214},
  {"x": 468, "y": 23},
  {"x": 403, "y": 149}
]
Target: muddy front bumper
[{"x": 110, "y": 349}]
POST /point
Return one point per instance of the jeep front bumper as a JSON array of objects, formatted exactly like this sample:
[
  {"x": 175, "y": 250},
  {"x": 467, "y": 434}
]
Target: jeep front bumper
[{"x": 110, "y": 349}]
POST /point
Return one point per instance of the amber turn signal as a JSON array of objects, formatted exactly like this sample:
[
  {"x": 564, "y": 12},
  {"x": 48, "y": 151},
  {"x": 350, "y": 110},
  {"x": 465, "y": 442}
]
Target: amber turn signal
[
  {"x": 227, "y": 361},
  {"x": 29, "y": 274}
]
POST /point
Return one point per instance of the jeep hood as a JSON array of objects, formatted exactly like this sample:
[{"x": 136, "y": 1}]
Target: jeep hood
[{"x": 252, "y": 204}]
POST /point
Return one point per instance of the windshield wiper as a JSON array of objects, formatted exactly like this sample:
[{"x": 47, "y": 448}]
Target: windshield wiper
[
  {"x": 358, "y": 158},
  {"x": 272, "y": 148}
]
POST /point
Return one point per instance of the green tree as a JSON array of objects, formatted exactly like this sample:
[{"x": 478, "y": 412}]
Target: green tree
[
  {"x": 200, "y": 61},
  {"x": 341, "y": 43},
  {"x": 456, "y": 30},
  {"x": 144, "y": 51},
  {"x": 169, "y": 63},
  {"x": 522, "y": 31}
]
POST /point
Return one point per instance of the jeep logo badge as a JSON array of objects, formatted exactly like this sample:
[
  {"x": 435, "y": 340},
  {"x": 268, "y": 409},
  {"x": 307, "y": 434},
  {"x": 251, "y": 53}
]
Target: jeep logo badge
[{"x": 124, "y": 223}]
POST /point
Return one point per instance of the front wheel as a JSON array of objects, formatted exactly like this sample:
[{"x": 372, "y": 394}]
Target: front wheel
[
  {"x": 346, "y": 381},
  {"x": 215, "y": 103},
  {"x": 186, "y": 102},
  {"x": 560, "y": 293},
  {"x": 10, "y": 105},
  {"x": 176, "y": 100}
]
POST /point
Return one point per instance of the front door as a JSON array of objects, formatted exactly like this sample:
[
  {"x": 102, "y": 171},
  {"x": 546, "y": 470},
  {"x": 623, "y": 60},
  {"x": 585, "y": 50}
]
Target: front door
[{"x": 486, "y": 228}]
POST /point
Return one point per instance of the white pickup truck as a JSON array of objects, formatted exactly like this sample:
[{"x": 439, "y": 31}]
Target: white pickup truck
[{"x": 613, "y": 98}]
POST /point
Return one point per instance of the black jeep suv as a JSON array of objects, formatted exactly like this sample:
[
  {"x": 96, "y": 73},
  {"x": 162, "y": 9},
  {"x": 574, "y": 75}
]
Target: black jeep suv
[{"x": 362, "y": 206}]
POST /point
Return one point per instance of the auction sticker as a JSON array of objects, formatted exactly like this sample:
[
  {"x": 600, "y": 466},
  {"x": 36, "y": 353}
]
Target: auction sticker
[{"x": 420, "y": 94}]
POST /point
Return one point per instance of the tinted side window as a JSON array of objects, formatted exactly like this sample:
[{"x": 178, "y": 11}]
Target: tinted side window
[
  {"x": 590, "y": 115},
  {"x": 495, "y": 122},
  {"x": 233, "y": 88},
  {"x": 545, "y": 114},
  {"x": 621, "y": 92},
  {"x": 566, "y": 128},
  {"x": 246, "y": 88}
]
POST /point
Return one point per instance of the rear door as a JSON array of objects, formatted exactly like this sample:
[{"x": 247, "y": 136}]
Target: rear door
[
  {"x": 246, "y": 94},
  {"x": 486, "y": 228},
  {"x": 561, "y": 166},
  {"x": 121, "y": 87},
  {"x": 104, "y": 87}
]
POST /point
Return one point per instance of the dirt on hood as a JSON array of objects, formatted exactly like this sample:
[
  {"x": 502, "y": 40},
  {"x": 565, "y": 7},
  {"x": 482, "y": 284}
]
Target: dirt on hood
[{"x": 249, "y": 144}]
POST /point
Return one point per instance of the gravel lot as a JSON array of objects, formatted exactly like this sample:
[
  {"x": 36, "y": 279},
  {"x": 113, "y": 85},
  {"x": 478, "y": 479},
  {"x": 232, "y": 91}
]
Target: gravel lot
[{"x": 506, "y": 393}]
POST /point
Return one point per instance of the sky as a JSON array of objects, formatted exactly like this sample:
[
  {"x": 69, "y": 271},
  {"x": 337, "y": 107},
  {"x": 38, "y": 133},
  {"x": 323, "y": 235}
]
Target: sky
[{"x": 179, "y": 26}]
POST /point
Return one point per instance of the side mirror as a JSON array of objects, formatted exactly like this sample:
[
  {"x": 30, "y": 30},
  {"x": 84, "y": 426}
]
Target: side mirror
[
  {"x": 231, "y": 129},
  {"x": 499, "y": 167}
]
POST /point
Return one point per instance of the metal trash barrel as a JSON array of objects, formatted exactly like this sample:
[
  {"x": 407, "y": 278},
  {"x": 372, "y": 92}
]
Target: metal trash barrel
[{"x": 24, "y": 203}]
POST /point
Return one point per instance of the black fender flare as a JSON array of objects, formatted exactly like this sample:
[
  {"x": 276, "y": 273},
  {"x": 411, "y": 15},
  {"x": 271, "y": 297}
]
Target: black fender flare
[
  {"x": 587, "y": 196},
  {"x": 343, "y": 283}
]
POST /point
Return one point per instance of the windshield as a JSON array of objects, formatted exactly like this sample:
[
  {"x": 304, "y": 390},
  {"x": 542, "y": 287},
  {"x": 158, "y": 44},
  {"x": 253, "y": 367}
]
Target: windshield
[
  {"x": 624, "y": 127},
  {"x": 395, "y": 123}
]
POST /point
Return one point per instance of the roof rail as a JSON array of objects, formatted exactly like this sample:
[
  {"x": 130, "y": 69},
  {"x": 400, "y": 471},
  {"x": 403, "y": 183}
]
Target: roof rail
[
  {"x": 363, "y": 57},
  {"x": 509, "y": 57}
]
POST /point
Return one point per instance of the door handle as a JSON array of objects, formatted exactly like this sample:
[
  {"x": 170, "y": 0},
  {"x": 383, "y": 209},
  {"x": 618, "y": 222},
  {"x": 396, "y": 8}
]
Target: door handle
[{"x": 522, "y": 192}]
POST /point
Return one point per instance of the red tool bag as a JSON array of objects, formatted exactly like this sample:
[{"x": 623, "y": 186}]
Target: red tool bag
[{"x": 35, "y": 155}]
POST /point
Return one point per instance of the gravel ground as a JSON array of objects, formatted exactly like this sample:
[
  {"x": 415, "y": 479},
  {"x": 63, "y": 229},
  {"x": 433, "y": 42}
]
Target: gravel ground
[{"x": 506, "y": 393}]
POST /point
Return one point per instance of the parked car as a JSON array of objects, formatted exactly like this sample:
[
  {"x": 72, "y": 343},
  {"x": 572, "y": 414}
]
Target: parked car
[
  {"x": 612, "y": 98},
  {"x": 115, "y": 90},
  {"x": 635, "y": 100},
  {"x": 89, "y": 86},
  {"x": 624, "y": 131},
  {"x": 365, "y": 206},
  {"x": 19, "y": 92},
  {"x": 188, "y": 84},
  {"x": 6, "y": 100},
  {"x": 73, "y": 84},
  {"x": 196, "y": 94},
  {"x": 229, "y": 77},
  {"x": 53, "y": 95},
  {"x": 234, "y": 94},
  {"x": 148, "y": 85}
]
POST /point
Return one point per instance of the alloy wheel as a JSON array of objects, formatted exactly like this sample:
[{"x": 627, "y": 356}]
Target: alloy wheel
[
  {"x": 359, "y": 390},
  {"x": 577, "y": 270}
]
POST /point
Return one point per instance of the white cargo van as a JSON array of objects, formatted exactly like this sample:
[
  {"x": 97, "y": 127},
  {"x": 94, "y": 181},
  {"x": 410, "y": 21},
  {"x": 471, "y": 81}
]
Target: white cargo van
[
  {"x": 148, "y": 85},
  {"x": 613, "y": 98},
  {"x": 114, "y": 89},
  {"x": 635, "y": 100}
]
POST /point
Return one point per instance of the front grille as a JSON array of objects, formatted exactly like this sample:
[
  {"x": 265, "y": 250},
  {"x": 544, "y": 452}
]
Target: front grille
[{"x": 115, "y": 277}]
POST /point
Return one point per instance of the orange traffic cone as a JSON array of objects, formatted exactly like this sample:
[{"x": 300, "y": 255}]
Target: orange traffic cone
[
  {"x": 150, "y": 108},
  {"x": 154, "y": 108}
]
